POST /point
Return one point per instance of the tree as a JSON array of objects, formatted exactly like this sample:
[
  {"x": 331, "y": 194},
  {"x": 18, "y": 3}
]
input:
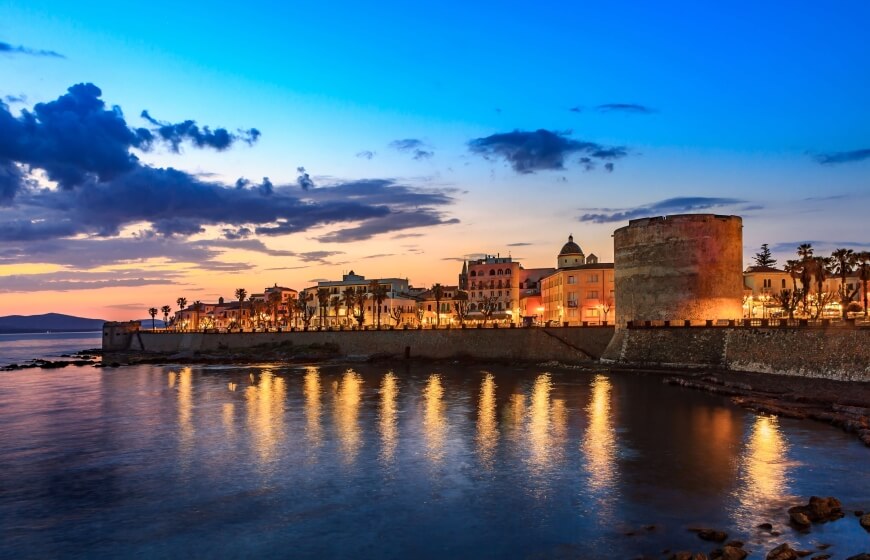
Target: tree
[
  {"x": 291, "y": 308},
  {"x": 460, "y": 306},
  {"x": 166, "y": 311},
  {"x": 842, "y": 263},
  {"x": 153, "y": 312},
  {"x": 274, "y": 301},
  {"x": 863, "y": 259},
  {"x": 360, "y": 298},
  {"x": 241, "y": 294},
  {"x": 306, "y": 311},
  {"x": 487, "y": 307},
  {"x": 335, "y": 304},
  {"x": 805, "y": 251},
  {"x": 379, "y": 294},
  {"x": 607, "y": 305},
  {"x": 438, "y": 294},
  {"x": 396, "y": 314},
  {"x": 323, "y": 303},
  {"x": 182, "y": 303},
  {"x": 763, "y": 258},
  {"x": 788, "y": 300},
  {"x": 419, "y": 312},
  {"x": 349, "y": 298},
  {"x": 806, "y": 265}
]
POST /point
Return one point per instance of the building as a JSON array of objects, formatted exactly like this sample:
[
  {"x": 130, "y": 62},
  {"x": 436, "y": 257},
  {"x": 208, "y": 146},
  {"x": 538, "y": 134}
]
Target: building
[
  {"x": 494, "y": 289},
  {"x": 398, "y": 306},
  {"x": 579, "y": 291}
]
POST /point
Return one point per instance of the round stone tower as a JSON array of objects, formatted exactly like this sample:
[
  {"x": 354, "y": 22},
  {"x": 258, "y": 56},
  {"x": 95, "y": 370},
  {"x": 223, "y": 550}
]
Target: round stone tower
[
  {"x": 571, "y": 254},
  {"x": 685, "y": 266}
]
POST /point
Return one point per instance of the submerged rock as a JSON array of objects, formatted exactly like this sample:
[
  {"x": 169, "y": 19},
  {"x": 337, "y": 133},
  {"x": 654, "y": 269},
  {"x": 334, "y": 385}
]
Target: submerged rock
[
  {"x": 818, "y": 510},
  {"x": 865, "y": 521},
  {"x": 782, "y": 552}
]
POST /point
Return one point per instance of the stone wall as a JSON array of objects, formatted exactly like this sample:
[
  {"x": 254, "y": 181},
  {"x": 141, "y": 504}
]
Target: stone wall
[
  {"x": 835, "y": 353},
  {"x": 537, "y": 344}
]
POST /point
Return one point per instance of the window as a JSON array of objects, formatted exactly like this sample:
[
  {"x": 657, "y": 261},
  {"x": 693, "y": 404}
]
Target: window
[
  {"x": 572, "y": 280},
  {"x": 473, "y": 274},
  {"x": 572, "y": 313},
  {"x": 592, "y": 313},
  {"x": 429, "y": 307},
  {"x": 593, "y": 278},
  {"x": 592, "y": 294},
  {"x": 500, "y": 272},
  {"x": 767, "y": 282},
  {"x": 492, "y": 272},
  {"x": 783, "y": 283},
  {"x": 507, "y": 272}
]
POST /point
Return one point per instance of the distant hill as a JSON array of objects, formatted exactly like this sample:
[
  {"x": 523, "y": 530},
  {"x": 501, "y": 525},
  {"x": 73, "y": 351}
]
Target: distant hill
[
  {"x": 146, "y": 323},
  {"x": 54, "y": 322}
]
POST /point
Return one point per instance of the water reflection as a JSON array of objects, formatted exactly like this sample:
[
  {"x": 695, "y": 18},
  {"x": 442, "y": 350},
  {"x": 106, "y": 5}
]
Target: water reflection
[
  {"x": 185, "y": 408},
  {"x": 265, "y": 406},
  {"x": 599, "y": 442},
  {"x": 487, "y": 425},
  {"x": 543, "y": 449},
  {"x": 311, "y": 391},
  {"x": 389, "y": 417},
  {"x": 347, "y": 404},
  {"x": 434, "y": 421},
  {"x": 228, "y": 417},
  {"x": 764, "y": 468}
]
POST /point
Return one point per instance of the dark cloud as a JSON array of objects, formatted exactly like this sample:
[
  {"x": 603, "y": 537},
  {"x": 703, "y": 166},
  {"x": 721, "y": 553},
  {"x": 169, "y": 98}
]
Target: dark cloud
[
  {"x": 407, "y": 235},
  {"x": 378, "y": 256},
  {"x": 608, "y": 167},
  {"x": 65, "y": 281},
  {"x": 521, "y": 244},
  {"x": 285, "y": 268},
  {"x": 365, "y": 154},
  {"x": 6, "y": 48},
  {"x": 625, "y": 108},
  {"x": 87, "y": 149},
  {"x": 15, "y": 98},
  {"x": 834, "y": 158},
  {"x": 304, "y": 180},
  {"x": 820, "y": 246},
  {"x": 668, "y": 206},
  {"x": 315, "y": 280},
  {"x": 408, "y": 219},
  {"x": 540, "y": 150},
  {"x": 220, "y": 138},
  {"x": 576, "y": 109},
  {"x": 417, "y": 148}
]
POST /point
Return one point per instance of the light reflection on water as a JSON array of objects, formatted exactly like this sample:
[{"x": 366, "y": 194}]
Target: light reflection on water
[{"x": 362, "y": 462}]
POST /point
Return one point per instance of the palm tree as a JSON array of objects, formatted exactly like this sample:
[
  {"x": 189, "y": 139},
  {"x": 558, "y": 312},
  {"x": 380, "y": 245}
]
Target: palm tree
[
  {"x": 182, "y": 303},
  {"x": 460, "y": 305},
  {"x": 379, "y": 294},
  {"x": 361, "y": 305},
  {"x": 438, "y": 294},
  {"x": 241, "y": 294},
  {"x": 153, "y": 312},
  {"x": 805, "y": 251},
  {"x": 323, "y": 301},
  {"x": 335, "y": 303},
  {"x": 842, "y": 262},
  {"x": 863, "y": 259},
  {"x": 349, "y": 298},
  {"x": 274, "y": 301},
  {"x": 820, "y": 267},
  {"x": 793, "y": 268},
  {"x": 166, "y": 311}
]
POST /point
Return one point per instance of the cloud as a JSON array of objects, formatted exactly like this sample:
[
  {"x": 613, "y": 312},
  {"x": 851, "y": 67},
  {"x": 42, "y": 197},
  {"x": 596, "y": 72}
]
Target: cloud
[
  {"x": 418, "y": 148},
  {"x": 667, "y": 206},
  {"x": 365, "y": 154},
  {"x": 407, "y": 235},
  {"x": 540, "y": 150},
  {"x": 15, "y": 98},
  {"x": 65, "y": 281},
  {"x": 820, "y": 246},
  {"x": 625, "y": 108},
  {"x": 378, "y": 256},
  {"x": 219, "y": 139},
  {"x": 102, "y": 187},
  {"x": 521, "y": 244},
  {"x": 576, "y": 109},
  {"x": 304, "y": 180},
  {"x": 408, "y": 219},
  {"x": 6, "y": 48},
  {"x": 834, "y": 158}
]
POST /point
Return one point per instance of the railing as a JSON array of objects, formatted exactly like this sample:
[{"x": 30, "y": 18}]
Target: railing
[
  {"x": 754, "y": 323},
  {"x": 403, "y": 327}
]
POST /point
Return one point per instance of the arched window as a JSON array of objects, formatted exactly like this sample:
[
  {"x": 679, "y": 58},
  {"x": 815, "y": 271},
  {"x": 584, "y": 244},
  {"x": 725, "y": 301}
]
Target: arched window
[
  {"x": 473, "y": 273},
  {"x": 472, "y": 307},
  {"x": 507, "y": 271},
  {"x": 473, "y": 285},
  {"x": 492, "y": 272},
  {"x": 500, "y": 272}
]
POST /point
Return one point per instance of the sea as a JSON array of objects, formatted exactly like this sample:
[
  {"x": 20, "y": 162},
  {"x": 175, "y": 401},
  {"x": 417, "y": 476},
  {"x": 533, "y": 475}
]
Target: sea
[{"x": 405, "y": 461}]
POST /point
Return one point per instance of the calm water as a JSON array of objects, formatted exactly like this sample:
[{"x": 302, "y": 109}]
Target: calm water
[
  {"x": 18, "y": 348},
  {"x": 423, "y": 462}
]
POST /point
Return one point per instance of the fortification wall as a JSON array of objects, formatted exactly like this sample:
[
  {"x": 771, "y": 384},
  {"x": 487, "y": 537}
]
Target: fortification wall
[
  {"x": 679, "y": 267},
  {"x": 562, "y": 344},
  {"x": 834, "y": 353}
]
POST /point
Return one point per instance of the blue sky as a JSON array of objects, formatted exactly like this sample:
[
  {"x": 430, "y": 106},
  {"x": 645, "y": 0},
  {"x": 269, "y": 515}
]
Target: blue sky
[{"x": 730, "y": 107}]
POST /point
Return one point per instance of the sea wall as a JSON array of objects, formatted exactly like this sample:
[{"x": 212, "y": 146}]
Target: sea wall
[
  {"x": 572, "y": 344},
  {"x": 841, "y": 353}
]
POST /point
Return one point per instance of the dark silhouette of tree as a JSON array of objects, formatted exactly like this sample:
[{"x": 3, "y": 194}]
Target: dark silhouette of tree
[
  {"x": 763, "y": 258},
  {"x": 274, "y": 303},
  {"x": 323, "y": 303},
  {"x": 166, "y": 310},
  {"x": 438, "y": 294},
  {"x": 607, "y": 304},
  {"x": 788, "y": 300},
  {"x": 305, "y": 309},
  {"x": 241, "y": 294},
  {"x": 335, "y": 304},
  {"x": 460, "y": 306},
  {"x": 349, "y": 298},
  {"x": 842, "y": 264},
  {"x": 396, "y": 314},
  {"x": 487, "y": 307},
  {"x": 863, "y": 259},
  {"x": 361, "y": 305},
  {"x": 378, "y": 293},
  {"x": 153, "y": 312}
]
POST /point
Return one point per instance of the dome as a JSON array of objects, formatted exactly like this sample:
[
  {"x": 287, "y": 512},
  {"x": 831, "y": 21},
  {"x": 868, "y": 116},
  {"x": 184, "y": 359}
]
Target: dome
[{"x": 570, "y": 248}]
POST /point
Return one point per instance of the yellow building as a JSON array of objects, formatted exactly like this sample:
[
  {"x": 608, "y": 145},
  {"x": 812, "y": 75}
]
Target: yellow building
[{"x": 579, "y": 291}]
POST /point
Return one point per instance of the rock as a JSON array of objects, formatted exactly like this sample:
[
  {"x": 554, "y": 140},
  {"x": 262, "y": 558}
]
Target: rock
[
  {"x": 825, "y": 509},
  {"x": 733, "y": 553},
  {"x": 823, "y": 546},
  {"x": 782, "y": 552},
  {"x": 865, "y": 521},
  {"x": 765, "y": 526},
  {"x": 862, "y": 556},
  {"x": 821, "y": 557},
  {"x": 681, "y": 555},
  {"x": 859, "y": 512},
  {"x": 735, "y": 544},
  {"x": 699, "y": 556},
  {"x": 804, "y": 553},
  {"x": 712, "y": 535},
  {"x": 799, "y": 518}
]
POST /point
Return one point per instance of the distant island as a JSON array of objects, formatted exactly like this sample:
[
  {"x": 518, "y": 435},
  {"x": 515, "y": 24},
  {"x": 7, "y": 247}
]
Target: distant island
[{"x": 54, "y": 322}]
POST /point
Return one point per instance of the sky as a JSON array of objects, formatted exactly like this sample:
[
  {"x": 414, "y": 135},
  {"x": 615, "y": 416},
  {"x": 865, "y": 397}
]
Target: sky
[{"x": 150, "y": 151}]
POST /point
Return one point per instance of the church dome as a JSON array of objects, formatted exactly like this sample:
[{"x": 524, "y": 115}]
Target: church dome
[{"x": 570, "y": 248}]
